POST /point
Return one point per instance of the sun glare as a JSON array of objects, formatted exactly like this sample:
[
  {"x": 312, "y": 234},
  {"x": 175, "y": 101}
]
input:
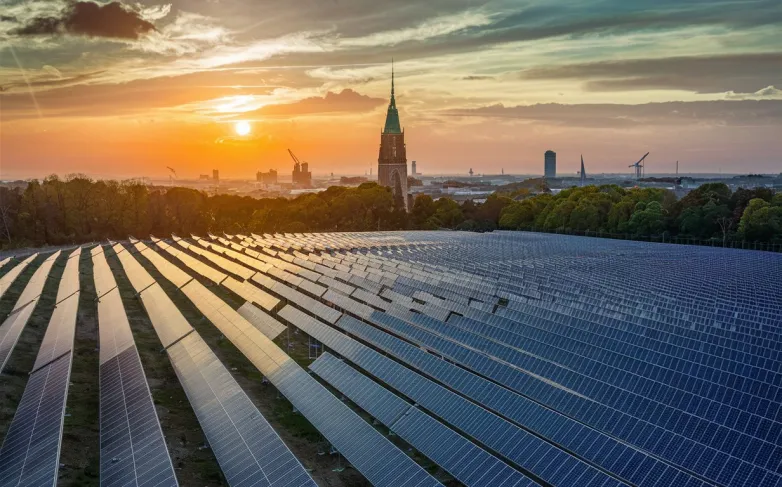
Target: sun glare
[{"x": 242, "y": 128}]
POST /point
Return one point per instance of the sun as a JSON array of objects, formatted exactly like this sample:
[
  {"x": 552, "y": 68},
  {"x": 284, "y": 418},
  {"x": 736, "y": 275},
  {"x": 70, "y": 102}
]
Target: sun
[{"x": 242, "y": 128}]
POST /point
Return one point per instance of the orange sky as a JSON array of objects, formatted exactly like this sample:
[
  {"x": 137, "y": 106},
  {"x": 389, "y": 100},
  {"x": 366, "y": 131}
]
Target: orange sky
[{"x": 146, "y": 86}]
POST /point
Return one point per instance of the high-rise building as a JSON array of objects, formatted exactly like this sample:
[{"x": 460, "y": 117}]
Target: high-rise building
[
  {"x": 267, "y": 177},
  {"x": 415, "y": 170},
  {"x": 301, "y": 176},
  {"x": 550, "y": 164},
  {"x": 392, "y": 160},
  {"x": 216, "y": 175}
]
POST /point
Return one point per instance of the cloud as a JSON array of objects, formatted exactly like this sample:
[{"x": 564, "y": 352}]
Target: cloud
[
  {"x": 701, "y": 74},
  {"x": 188, "y": 33},
  {"x": 85, "y": 18},
  {"x": 767, "y": 93},
  {"x": 714, "y": 113},
  {"x": 436, "y": 27},
  {"x": 346, "y": 101},
  {"x": 53, "y": 78},
  {"x": 155, "y": 12},
  {"x": 104, "y": 99},
  {"x": 476, "y": 78},
  {"x": 51, "y": 70}
]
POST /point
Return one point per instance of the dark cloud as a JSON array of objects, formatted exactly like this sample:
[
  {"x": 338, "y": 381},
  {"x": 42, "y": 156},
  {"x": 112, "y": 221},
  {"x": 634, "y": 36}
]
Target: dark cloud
[
  {"x": 346, "y": 101},
  {"x": 7, "y": 18},
  {"x": 551, "y": 20},
  {"x": 714, "y": 74},
  {"x": 722, "y": 113},
  {"x": 477, "y": 78},
  {"x": 112, "y": 20}
]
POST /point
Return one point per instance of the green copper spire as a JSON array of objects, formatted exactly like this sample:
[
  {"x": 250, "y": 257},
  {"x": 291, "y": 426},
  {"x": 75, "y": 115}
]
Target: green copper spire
[{"x": 392, "y": 117}]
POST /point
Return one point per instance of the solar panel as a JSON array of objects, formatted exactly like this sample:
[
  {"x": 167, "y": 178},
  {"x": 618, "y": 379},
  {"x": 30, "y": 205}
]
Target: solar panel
[
  {"x": 132, "y": 448},
  {"x": 10, "y": 276},
  {"x": 31, "y": 450},
  {"x": 252, "y": 293},
  {"x": 564, "y": 399},
  {"x": 246, "y": 447},
  {"x": 13, "y": 325},
  {"x": 249, "y": 451},
  {"x": 675, "y": 315},
  {"x": 218, "y": 260},
  {"x": 657, "y": 364},
  {"x": 467, "y": 462},
  {"x": 192, "y": 263},
  {"x": 570, "y": 434},
  {"x": 515, "y": 444},
  {"x": 300, "y": 299},
  {"x": 373, "y": 455},
  {"x": 62, "y": 325},
  {"x": 265, "y": 323}
]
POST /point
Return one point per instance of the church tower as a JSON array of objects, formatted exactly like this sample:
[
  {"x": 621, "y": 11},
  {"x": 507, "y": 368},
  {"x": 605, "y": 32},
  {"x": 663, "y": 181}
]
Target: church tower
[{"x": 392, "y": 161}]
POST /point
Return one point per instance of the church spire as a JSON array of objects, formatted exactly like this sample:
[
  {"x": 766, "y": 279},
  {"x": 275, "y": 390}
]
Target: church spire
[
  {"x": 583, "y": 171},
  {"x": 392, "y": 80},
  {"x": 392, "y": 117}
]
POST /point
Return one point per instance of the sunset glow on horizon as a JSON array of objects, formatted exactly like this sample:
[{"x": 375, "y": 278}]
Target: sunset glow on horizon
[{"x": 489, "y": 85}]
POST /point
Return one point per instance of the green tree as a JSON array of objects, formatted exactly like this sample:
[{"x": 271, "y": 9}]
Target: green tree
[
  {"x": 559, "y": 216},
  {"x": 647, "y": 219},
  {"x": 423, "y": 210},
  {"x": 447, "y": 214},
  {"x": 761, "y": 221}
]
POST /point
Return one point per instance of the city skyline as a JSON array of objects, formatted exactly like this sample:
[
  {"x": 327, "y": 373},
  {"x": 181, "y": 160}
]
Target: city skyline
[{"x": 123, "y": 90}]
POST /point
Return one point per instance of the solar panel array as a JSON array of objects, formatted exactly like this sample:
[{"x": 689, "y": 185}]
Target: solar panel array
[
  {"x": 31, "y": 449},
  {"x": 133, "y": 451},
  {"x": 469, "y": 463},
  {"x": 249, "y": 451},
  {"x": 665, "y": 376},
  {"x": 372, "y": 454},
  {"x": 510, "y": 359}
]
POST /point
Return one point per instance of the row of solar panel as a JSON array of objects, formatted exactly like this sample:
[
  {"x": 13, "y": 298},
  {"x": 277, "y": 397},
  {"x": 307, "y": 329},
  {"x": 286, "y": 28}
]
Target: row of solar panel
[
  {"x": 332, "y": 296},
  {"x": 30, "y": 450},
  {"x": 453, "y": 465},
  {"x": 371, "y": 453},
  {"x": 746, "y": 446}
]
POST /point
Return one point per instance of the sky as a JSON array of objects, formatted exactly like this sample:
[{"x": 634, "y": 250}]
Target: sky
[{"x": 125, "y": 89}]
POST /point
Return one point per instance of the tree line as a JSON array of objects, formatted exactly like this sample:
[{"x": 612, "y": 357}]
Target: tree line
[
  {"x": 76, "y": 209},
  {"x": 712, "y": 211}
]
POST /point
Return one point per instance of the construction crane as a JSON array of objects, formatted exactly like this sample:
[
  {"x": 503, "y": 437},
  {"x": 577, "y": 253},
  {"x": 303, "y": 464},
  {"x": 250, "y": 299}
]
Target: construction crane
[
  {"x": 639, "y": 167},
  {"x": 171, "y": 176},
  {"x": 295, "y": 159}
]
